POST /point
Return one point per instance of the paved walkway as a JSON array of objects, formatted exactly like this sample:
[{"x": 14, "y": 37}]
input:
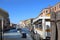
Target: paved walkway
[{"x": 15, "y": 36}]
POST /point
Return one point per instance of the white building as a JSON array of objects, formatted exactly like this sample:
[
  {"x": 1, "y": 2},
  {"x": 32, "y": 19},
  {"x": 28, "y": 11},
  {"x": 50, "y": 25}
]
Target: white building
[{"x": 42, "y": 24}]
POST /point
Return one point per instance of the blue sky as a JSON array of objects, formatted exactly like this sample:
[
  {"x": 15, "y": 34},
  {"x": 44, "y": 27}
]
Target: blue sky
[{"x": 24, "y": 9}]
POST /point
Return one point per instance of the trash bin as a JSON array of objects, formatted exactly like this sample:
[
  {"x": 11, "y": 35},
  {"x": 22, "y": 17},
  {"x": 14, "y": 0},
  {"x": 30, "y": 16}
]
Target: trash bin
[{"x": 24, "y": 35}]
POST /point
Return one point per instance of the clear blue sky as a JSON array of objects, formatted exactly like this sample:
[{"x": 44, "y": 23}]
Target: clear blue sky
[{"x": 24, "y": 9}]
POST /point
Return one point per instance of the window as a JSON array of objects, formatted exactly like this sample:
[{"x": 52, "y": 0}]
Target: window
[
  {"x": 36, "y": 26},
  {"x": 40, "y": 26},
  {"x": 46, "y": 11},
  {"x": 55, "y": 8},
  {"x": 52, "y": 9},
  {"x": 59, "y": 5},
  {"x": 47, "y": 26}
]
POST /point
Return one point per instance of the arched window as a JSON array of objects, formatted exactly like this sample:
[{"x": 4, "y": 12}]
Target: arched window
[{"x": 46, "y": 11}]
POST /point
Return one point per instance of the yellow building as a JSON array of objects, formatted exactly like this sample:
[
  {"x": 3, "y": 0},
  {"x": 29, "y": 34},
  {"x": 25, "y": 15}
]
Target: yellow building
[{"x": 28, "y": 23}]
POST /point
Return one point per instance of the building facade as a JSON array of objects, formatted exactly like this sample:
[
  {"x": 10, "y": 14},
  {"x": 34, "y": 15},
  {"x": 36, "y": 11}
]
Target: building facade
[
  {"x": 42, "y": 22},
  {"x": 26, "y": 23},
  {"x": 4, "y": 19},
  {"x": 21, "y": 24}
]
